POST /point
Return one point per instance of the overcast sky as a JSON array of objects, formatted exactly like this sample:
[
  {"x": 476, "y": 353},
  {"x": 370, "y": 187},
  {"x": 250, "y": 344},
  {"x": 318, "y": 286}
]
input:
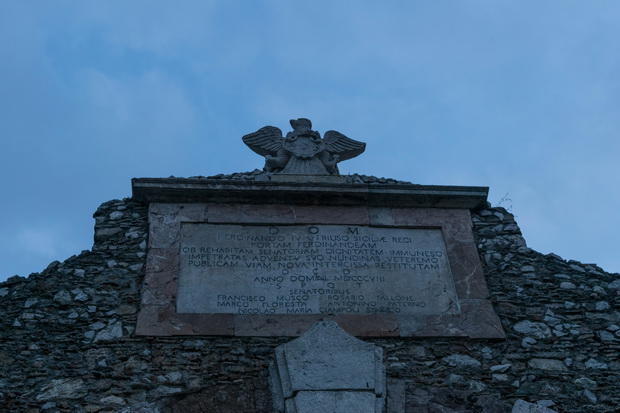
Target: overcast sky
[{"x": 521, "y": 96}]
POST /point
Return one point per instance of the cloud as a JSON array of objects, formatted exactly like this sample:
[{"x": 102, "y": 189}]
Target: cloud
[
  {"x": 520, "y": 96},
  {"x": 39, "y": 242},
  {"x": 165, "y": 28}
]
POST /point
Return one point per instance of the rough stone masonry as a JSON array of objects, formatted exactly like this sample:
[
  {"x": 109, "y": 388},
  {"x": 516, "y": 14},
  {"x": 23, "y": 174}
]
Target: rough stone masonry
[{"x": 67, "y": 341}]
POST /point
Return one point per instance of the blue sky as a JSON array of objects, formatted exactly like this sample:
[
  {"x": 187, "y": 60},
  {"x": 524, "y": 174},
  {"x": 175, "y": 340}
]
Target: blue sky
[{"x": 521, "y": 96}]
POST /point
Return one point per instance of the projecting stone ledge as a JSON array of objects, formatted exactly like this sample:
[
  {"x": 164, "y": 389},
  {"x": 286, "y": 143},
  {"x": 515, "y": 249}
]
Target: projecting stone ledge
[
  {"x": 329, "y": 368},
  {"x": 308, "y": 190}
]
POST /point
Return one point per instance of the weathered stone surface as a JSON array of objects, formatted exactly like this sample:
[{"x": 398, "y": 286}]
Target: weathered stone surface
[
  {"x": 113, "y": 401},
  {"x": 521, "y": 406},
  {"x": 567, "y": 285},
  {"x": 302, "y": 151},
  {"x": 449, "y": 400},
  {"x": 160, "y": 282},
  {"x": 334, "y": 215},
  {"x": 590, "y": 396},
  {"x": 104, "y": 233},
  {"x": 313, "y": 269},
  {"x": 535, "y": 329},
  {"x": 356, "y": 191},
  {"x": 585, "y": 383},
  {"x": 477, "y": 320},
  {"x": 328, "y": 358},
  {"x": 151, "y": 316},
  {"x": 327, "y": 365},
  {"x": 43, "y": 343},
  {"x": 62, "y": 389},
  {"x": 395, "y": 396},
  {"x": 111, "y": 332},
  {"x": 614, "y": 285},
  {"x": 332, "y": 401},
  {"x": 369, "y": 325},
  {"x": 467, "y": 271},
  {"x": 462, "y": 361},
  {"x": 251, "y": 214},
  {"x": 547, "y": 364},
  {"x": 244, "y": 395},
  {"x": 500, "y": 367},
  {"x": 595, "y": 365},
  {"x": 5, "y": 359},
  {"x": 455, "y": 316}
]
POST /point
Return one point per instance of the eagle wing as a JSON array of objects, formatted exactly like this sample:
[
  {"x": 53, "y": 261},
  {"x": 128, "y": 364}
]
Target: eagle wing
[
  {"x": 265, "y": 141},
  {"x": 346, "y": 148}
]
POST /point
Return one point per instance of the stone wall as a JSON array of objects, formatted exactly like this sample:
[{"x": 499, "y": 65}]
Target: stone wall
[{"x": 67, "y": 343}]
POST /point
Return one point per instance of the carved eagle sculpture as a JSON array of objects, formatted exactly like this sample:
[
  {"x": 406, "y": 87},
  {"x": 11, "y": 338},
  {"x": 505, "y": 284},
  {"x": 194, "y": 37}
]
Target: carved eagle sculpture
[{"x": 302, "y": 151}]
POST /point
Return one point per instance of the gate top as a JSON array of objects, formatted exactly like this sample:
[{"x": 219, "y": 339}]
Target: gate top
[{"x": 302, "y": 151}]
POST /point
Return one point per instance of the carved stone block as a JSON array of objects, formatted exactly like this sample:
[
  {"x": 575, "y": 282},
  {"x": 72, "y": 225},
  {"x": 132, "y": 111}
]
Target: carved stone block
[{"x": 327, "y": 367}]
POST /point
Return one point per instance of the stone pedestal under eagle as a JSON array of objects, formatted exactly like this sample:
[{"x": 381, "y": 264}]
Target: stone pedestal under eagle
[{"x": 302, "y": 151}]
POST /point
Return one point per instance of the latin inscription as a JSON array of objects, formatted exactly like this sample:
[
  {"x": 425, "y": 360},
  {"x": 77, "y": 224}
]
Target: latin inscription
[{"x": 313, "y": 269}]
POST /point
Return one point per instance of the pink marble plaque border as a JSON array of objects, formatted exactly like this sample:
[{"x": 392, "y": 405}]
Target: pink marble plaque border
[{"x": 158, "y": 316}]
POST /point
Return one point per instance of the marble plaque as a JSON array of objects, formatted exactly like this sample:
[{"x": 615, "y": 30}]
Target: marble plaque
[{"x": 313, "y": 269}]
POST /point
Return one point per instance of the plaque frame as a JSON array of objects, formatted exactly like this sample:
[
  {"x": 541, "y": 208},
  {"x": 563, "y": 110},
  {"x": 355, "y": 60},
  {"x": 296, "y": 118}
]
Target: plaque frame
[{"x": 158, "y": 316}]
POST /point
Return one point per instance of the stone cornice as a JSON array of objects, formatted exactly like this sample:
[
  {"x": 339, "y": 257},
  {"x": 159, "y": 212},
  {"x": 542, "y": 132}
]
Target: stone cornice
[{"x": 307, "y": 190}]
